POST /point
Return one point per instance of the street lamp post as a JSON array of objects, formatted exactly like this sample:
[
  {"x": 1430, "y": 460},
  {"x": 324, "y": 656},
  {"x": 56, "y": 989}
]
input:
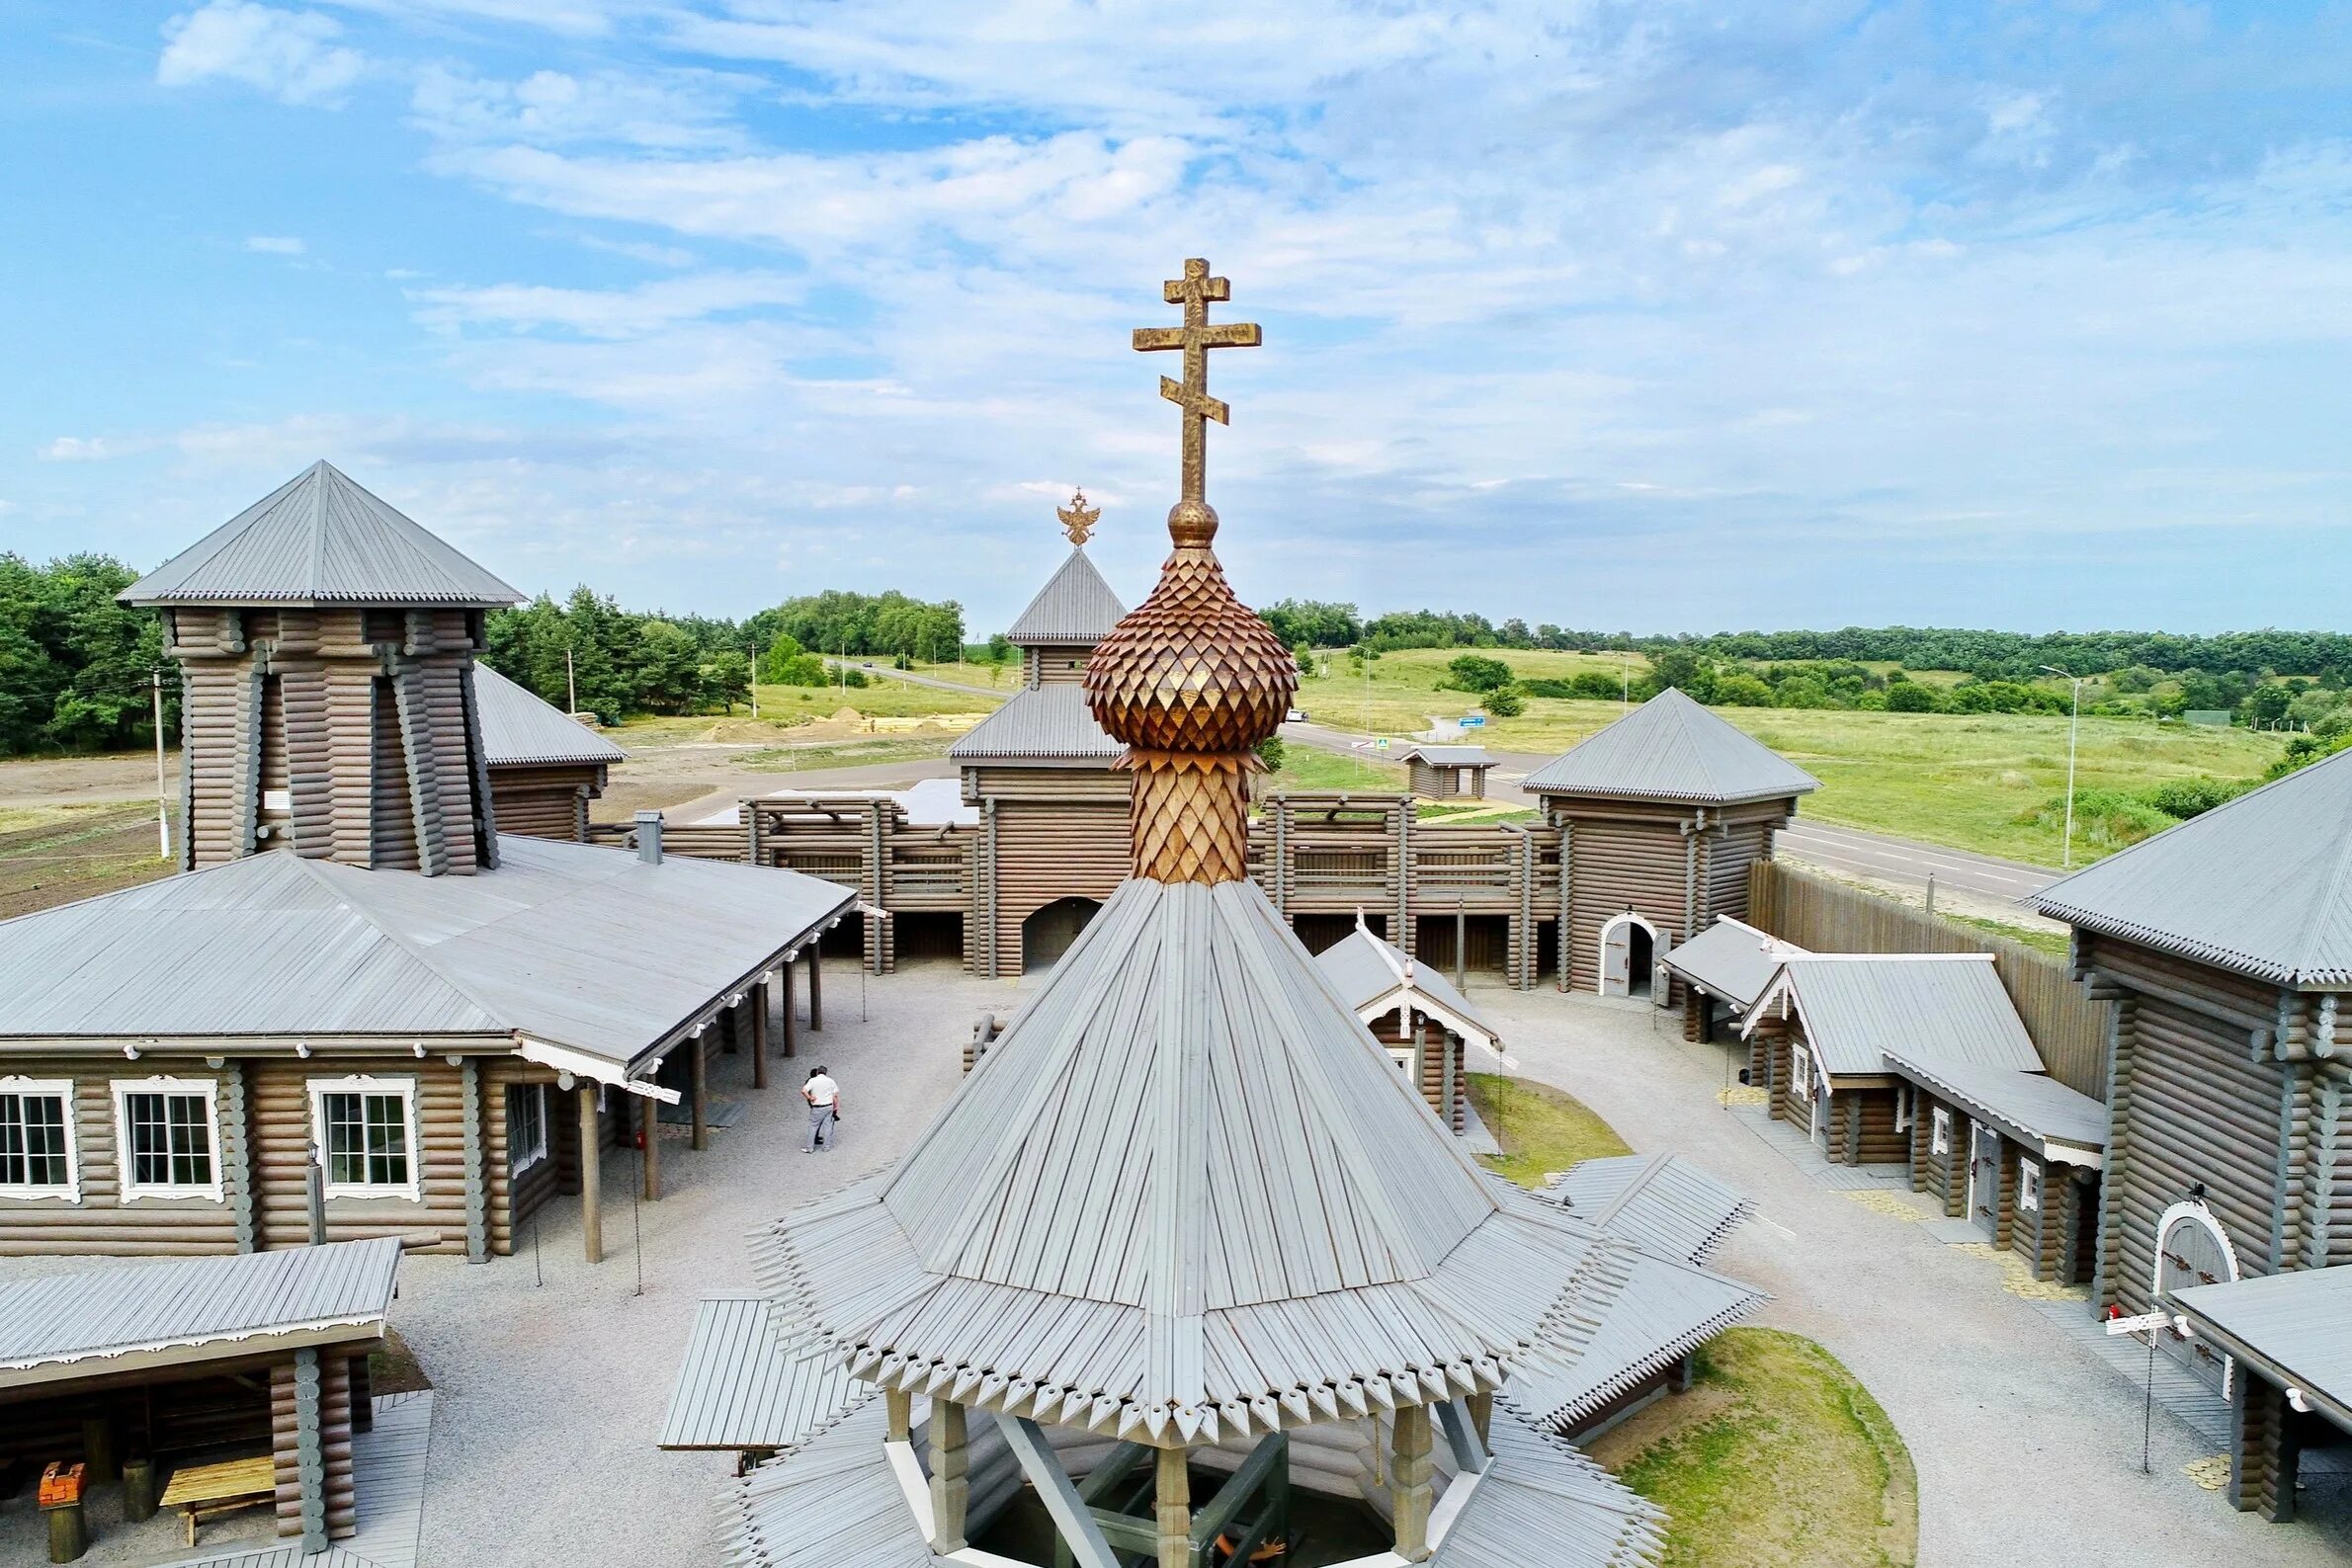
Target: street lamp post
[{"x": 2073, "y": 725}]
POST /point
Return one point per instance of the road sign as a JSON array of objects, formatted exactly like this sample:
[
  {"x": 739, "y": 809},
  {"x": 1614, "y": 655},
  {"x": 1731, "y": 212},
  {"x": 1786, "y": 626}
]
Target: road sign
[
  {"x": 2138, "y": 1325},
  {"x": 1381, "y": 744},
  {"x": 1474, "y": 722}
]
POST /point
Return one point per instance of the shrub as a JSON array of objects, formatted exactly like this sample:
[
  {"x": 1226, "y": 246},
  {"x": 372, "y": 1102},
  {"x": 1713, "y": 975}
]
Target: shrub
[
  {"x": 1910, "y": 697},
  {"x": 1475, "y": 672},
  {"x": 1872, "y": 702},
  {"x": 1270, "y": 751},
  {"x": 1742, "y": 691},
  {"x": 2188, "y": 798},
  {"x": 1801, "y": 691},
  {"x": 1504, "y": 701},
  {"x": 2106, "y": 818}
]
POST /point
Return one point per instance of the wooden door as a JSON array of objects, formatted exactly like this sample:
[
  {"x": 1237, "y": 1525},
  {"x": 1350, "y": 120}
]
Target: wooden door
[
  {"x": 2189, "y": 1252},
  {"x": 1800, "y": 1086},
  {"x": 1984, "y": 1179},
  {"x": 1617, "y": 957}
]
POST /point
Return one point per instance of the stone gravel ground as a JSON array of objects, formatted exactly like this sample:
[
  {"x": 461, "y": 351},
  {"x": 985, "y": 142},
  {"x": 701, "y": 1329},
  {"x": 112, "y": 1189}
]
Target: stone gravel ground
[{"x": 2027, "y": 1449}]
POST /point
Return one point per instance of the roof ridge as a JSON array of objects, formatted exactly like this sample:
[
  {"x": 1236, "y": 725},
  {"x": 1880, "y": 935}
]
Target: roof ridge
[
  {"x": 316, "y": 871},
  {"x": 326, "y": 475},
  {"x": 2333, "y": 885}
]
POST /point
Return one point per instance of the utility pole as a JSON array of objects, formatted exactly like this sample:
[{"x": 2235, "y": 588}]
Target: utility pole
[
  {"x": 571, "y": 685},
  {"x": 163, "y": 821},
  {"x": 2073, "y": 724}
]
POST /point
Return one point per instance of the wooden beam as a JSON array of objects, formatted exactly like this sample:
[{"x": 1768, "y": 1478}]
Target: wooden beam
[
  {"x": 1413, "y": 1490},
  {"x": 697, "y": 1066},
  {"x": 790, "y": 1031},
  {"x": 649, "y": 1132},
  {"x": 477, "y": 1175},
  {"x": 592, "y": 1217},
  {"x": 950, "y": 1477},
  {"x": 1463, "y": 1437},
  {"x": 1055, "y": 1488},
  {"x": 816, "y": 988},
  {"x": 311, "y": 1460},
  {"x": 759, "y": 1036},
  {"x": 1174, "y": 1511}
]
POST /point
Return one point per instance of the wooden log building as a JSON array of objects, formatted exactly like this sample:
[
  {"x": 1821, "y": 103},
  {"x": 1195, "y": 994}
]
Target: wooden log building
[
  {"x": 197, "y": 1360},
  {"x": 358, "y": 976},
  {"x": 1723, "y": 970},
  {"x": 545, "y": 765},
  {"x": 1426, "y": 1025},
  {"x": 1658, "y": 818},
  {"x": 1447, "y": 773},
  {"x": 2225, "y": 944}
]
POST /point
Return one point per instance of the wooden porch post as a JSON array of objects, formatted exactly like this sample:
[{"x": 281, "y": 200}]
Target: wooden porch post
[
  {"x": 900, "y": 1406},
  {"x": 759, "y": 1036},
  {"x": 789, "y": 1031},
  {"x": 650, "y": 1129},
  {"x": 1481, "y": 1413},
  {"x": 1413, "y": 1489},
  {"x": 592, "y": 1214},
  {"x": 1175, "y": 1509},
  {"x": 950, "y": 1477},
  {"x": 816, "y": 988},
  {"x": 698, "y": 1088}
]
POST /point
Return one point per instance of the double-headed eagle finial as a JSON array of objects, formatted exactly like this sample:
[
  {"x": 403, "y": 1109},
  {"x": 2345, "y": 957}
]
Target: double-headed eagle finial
[{"x": 1078, "y": 519}]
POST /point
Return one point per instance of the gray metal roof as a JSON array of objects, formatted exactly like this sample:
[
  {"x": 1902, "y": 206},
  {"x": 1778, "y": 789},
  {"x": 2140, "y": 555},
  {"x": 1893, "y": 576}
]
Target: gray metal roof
[
  {"x": 1076, "y": 606},
  {"x": 1039, "y": 723},
  {"x": 1732, "y": 960},
  {"x": 1663, "y": 1310},
  {"x": 1946, "y": 1008},
  {"x": 97, "y": 1321},
  {"x": 2299, "y": 1323},
  {"x": 744, "y": 1385},
  {"x": 838, "y": 1504},
  {"x": 1373, "y": 976},
  {"x": 1185, "y": 1187},
  {"x": 1672, "y": 749},
  {"x": 567, "y": 944},
  {"x": 518, "y": 727},
  {"x": 2261, "y": 885},
  {"x": 316, "y": 539},
  {"x": 1662, "y": 1201},
  {"x": 1449, "y": 756},
  {"x": 2030, "y": 1107}
]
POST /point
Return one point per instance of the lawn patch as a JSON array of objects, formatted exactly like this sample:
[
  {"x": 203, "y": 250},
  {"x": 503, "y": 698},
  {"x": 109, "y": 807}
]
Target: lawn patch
[
  {"x": 1778, "y": 1457},
  {"x": 1541, "y": 1130}
]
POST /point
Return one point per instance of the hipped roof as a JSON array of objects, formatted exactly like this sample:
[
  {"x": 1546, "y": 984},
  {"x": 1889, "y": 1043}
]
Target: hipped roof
[
  {"x": 1731, "y": 959},
  {"x": 1076, "y": 606},
  {"x": 1039, "y": 723},
  {"x": 2261, "y": 885},
  {"x": 574, "y": 946},
  {"x": 319, "y": 538},
  {"x": 1671, "y": 749},
  {"x": 1187, "y": 1188}
]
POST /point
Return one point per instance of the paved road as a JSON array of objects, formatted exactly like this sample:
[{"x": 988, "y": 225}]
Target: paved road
[{"x": 882, "y": 667}]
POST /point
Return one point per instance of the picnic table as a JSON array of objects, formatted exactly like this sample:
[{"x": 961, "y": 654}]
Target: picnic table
[{"x": 205, "y": 1490}]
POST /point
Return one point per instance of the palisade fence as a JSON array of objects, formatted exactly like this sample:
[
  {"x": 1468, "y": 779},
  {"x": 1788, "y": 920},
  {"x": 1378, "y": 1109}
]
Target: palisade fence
[{"x": 2069, "y": 1028}]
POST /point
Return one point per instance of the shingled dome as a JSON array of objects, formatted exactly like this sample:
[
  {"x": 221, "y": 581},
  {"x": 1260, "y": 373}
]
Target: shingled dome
[
  {"x": 1672, "y": 749},
  {"x": 319, "y": 539},
  {"x": 1076, "y": 606},
  {"x": 2261, "y": 885}
]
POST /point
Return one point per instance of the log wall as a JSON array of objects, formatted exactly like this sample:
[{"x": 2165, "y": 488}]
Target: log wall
[
  {"x": 281, "y": 1098},
  {"x": 102, "y": 1221},
  {"x": 545, "y": 800},
  {"x": 1055, "y": 833},
  {"x": 334, "y": 1436}
]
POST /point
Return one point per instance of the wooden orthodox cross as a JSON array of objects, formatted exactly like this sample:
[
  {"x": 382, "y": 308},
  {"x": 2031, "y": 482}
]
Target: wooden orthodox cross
[{"x": 1195, "y": 291}]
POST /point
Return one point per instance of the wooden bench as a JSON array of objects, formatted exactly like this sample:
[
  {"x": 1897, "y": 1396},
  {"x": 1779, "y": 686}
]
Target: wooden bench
[{"x": 202, "y": 1491}]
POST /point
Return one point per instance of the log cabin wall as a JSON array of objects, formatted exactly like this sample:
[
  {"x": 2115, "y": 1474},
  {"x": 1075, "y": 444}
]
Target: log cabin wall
[
  {"x": 545, "y": 800},
  {"x": 516, "y": 1196},
  {"x": 1442, "y": 1061},
  {"x": 1046, "y": 834},
  {"x": 100, "y": 1219},
  {"x": 345, "y": 734},
  {"x": 434, "y": 1220},
  {"x": 1866, "y": 1133},
  {"x": 1936, "y": 1172},
  {"x": 334, "y": 1444},
  {"x": 1056, "y": 664}
]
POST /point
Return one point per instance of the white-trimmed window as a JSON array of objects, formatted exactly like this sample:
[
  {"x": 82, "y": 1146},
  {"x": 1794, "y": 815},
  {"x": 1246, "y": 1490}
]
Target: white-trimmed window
[
  {"x": 525, "y": 1126},
  {"x": 1402, "y": 1056},
  {"x": 366, "y": 1129},
  {"x": 1939, "y": 1131},
  {"x": 37, "y": 1152},
  {"x": 167, "y": 1135},
  {"x": 2028, "y": 1183}
]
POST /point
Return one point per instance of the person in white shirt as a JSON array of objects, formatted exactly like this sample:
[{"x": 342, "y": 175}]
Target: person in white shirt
[{"x": 824, "y": 1110}]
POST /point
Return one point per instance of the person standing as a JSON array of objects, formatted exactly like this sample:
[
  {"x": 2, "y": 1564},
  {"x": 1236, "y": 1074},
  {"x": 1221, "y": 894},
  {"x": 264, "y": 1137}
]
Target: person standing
[{"x": 824, "y": 1109}]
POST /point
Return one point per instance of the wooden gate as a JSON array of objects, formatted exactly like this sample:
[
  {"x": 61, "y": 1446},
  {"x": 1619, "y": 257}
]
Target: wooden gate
[
  {"x": 2190, "y": 1251},
  {"x": 1617, "y": 958},
  {"x": 1984, "y": 1179}
]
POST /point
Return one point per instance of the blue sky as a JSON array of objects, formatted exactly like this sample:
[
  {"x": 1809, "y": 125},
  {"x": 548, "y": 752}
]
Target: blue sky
[{"x": 1657, "y": 316}]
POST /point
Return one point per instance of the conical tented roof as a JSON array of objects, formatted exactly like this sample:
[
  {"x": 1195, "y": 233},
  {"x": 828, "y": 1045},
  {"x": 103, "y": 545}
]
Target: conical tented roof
[
  {"x": 2261, "y": 885},
  {"x": 1076, "y": 606},
  {"x": 1672, "y": 749},
  {"x": 1187, "y": 1118},
  {"x": 319, "y": 538}
]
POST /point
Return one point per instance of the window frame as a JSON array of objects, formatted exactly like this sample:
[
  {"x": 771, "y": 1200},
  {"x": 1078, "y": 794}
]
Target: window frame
[
  {"x": 60, "y": 1089},
  {"x": 410, "y": 1191},
  {"x": 516, "y": 1163},
  {"x": 132, "y": 1189},
  {"x": 2028, "y": 1183},
  {"x": 1939, "y": 1129}
]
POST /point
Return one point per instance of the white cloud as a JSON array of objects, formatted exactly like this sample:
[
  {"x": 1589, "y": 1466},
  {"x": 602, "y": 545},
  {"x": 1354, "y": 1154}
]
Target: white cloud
[
  {"x": 608, "y": 314},
  {"x": 672, "y": 111},
  {"x": 275, "y": 244},
  {"x": 79, "y": 449},
  {"x": 290, "y": 54}
]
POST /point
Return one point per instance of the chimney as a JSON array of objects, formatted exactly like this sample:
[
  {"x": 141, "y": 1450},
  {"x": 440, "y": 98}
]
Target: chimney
[{"x": 649, "y": 837}]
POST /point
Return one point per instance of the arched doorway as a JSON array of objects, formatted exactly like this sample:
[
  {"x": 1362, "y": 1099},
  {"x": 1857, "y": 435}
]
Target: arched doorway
[
  {"x": 2192, "y": 1249},
  {"x": 1628, "y": 956},
  {"x": 1049, "y": 932}
]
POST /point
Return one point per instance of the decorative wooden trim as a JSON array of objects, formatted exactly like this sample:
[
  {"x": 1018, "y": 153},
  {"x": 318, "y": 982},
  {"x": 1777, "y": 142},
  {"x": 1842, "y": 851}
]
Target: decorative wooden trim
[
  {"x": 236, "y": 1154},
  {"x": 362, "y": 1084},
  {"x": 311, "y": 1460},
  {"x": 131, "y": 1189},
  {"x": 62, "y": 1089},
  {"x": 478, "y": 1182}
]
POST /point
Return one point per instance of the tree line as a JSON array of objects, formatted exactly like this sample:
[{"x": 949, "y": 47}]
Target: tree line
[{"x": 74, "y": 665}]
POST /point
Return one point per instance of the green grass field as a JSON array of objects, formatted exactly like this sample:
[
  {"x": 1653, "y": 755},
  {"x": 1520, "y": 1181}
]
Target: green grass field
[
  {"x": 1974, "y": 782},
  {"x": 881, "y": 698},
  {"x": 1540, "y": 1129}
]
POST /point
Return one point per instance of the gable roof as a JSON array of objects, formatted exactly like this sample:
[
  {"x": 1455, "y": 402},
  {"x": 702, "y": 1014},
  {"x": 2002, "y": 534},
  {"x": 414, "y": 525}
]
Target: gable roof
[
  {"x": 1939, "y": 1006},
  {"x": 319, "y": 539},
  {"x": 1670, "y": 748},
  {"x": 1074, "y": 606},
  {"x": 1447, "y": 755},
  {"x": 1731, "y": 959},
  {"x": 1255, "y": 1223},
  {"x": 1663, "y": 1202},
  {"x": 2296, "y": 1326},
  {"x": 578, "y": 947},
  {"x": 517, "y": 726},
  {"x": 2031, "y": 1108},
  {"x": 1039, "y": 723},
  {"x": 96, "y": 1321},
  {"x": 1371, "y": 975},
  {"x": 2261, "y": 885}
]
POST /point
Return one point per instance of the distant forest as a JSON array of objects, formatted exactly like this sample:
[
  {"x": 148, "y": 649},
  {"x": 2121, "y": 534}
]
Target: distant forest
[{"x": 74, "y": 664}]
